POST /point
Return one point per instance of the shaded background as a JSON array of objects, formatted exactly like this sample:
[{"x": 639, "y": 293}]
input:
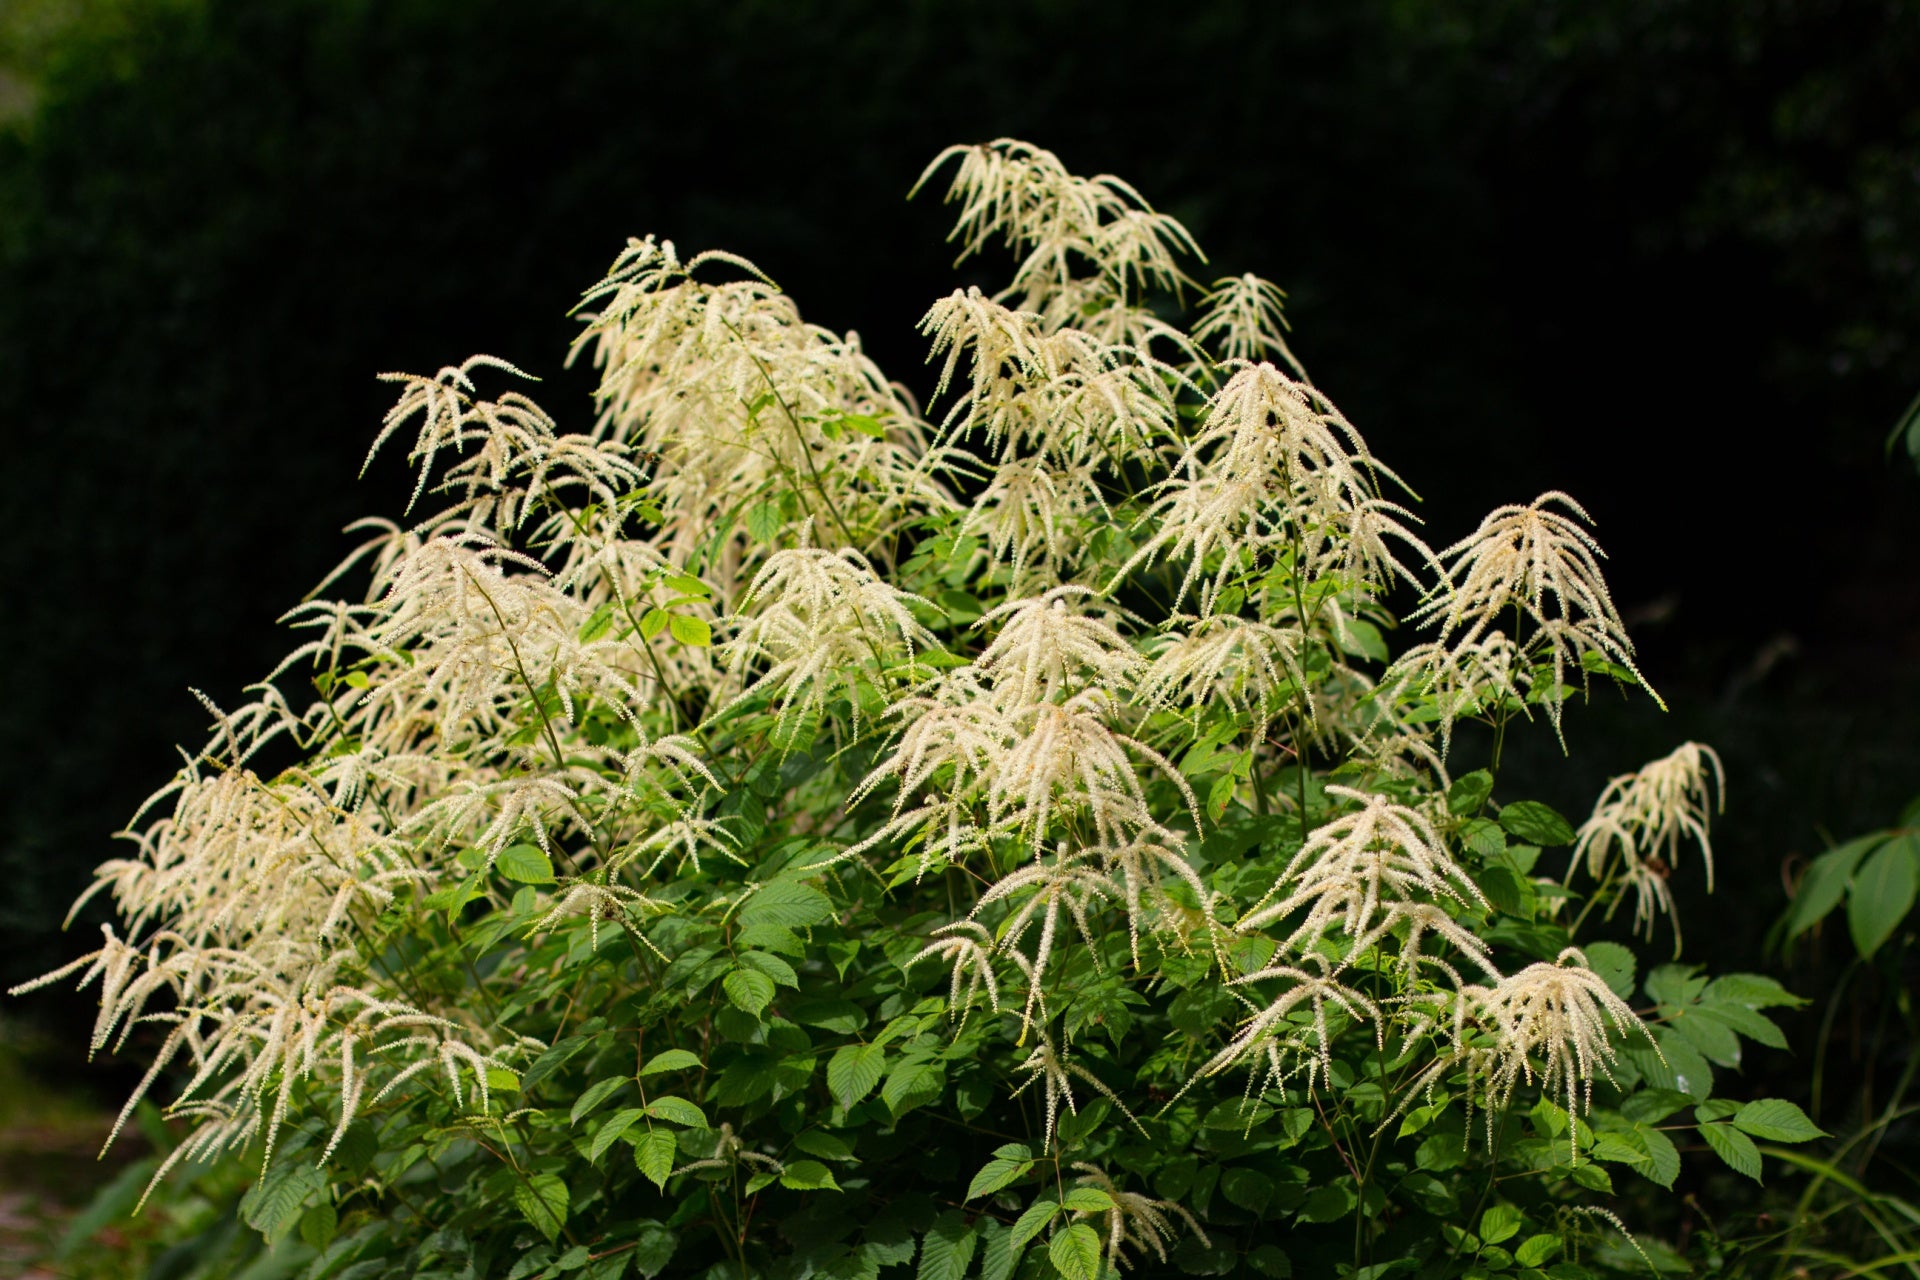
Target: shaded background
[{"x": 1663, "y": 255}]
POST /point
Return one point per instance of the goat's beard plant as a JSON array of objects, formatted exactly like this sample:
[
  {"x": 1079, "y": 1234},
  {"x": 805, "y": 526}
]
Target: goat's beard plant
[{"x": 778, "y": 834}]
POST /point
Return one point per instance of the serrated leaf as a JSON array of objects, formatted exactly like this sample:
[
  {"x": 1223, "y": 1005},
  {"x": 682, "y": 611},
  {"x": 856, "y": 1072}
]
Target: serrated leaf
[
  {"x": 1615, "y": 965},
  {"x": 653, "y": 622},
  {"x": 1662, "y": 1156},
  {"x": 1468, "y": 792},
  {"x": 1651, "y": 1106},
  {"x": 670, "y": 1060},
  {"x": 818, "y": 1142},
  {"x": 1075, "y": 1252},
  {"x": 1501, "y": 1222},
  {"x": 690, "y": 631},
  {"x": 773, "y": 966},
  {"x": 542, "y": 1199},
  {"x": 677, "y": 1110},
  {"x": 853, "y": 1071},
  {"x": 1734, "y": 1147},
  {"x": 748, "y": 990},
  {"x": 1271, "y": 1261},
  {"x": 1777, "y": 1120},
  {"x": 597, "y": 1092},
  {"x": 653, "y": 1156},
  {"x": 788, "y": 903},
  {"x": 1033, "y": 1221},
  {"x": 655, "y": 1247},
  {"x": 999, "y": 1255},
  {"x": 1883, "y": 892},
  {"x": 1535, "y": 1250},
  {"x": 1248, "y": 1188},
  {"x": 1484, "y": 837},
  {"x": 1536, "y": 823},
  {"x": 1087, "y": 1200},
  {"x": 1675, "y": 986},
  {"x": 1678, "y": 1066},
  {"x": 995, "y": 1174},
  {"x": 524, "y": 864},
  {"x": 1825, "y": 882},
  {"x": 1752, "y": 991},
  {"x": 1713, "y": 1038},
  {"x": 842, "y": 1016},
  {"x": 276, "y": 1201},
  {"x": 609, "y": 1132},
  {"x": 764, "y": 522},
  {"x": 912, "y": 1084},
  {"x": 319, "y": 1224},
  {"x": 946, "y": 1250},
  {"x": 808, "y": 1175},
  {"x": 1754, "y": 1026}
]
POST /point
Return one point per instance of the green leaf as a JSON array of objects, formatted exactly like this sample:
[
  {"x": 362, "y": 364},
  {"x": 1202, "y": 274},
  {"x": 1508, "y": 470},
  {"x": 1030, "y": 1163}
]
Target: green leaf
[
  {"x": 1484, "y": 837},
  {"x": 1734, "y": 1147},
  {"x": 687, "y": 584},
  {"x": 1752, "y": 991},
  {"x": 653, "y": 622},
  {"x": 773, "y": 966},
  {"x": 1678, "y": 1066},
  {"x": 1503, "y": 889},
  {"x": 542, "y": 1199},
  {"x": 455, "y": 896},
  {"x": 1220, "y": 795},
  {"x": 1468, "y": 793},
  {"x": 1614, "y": 963},
  {"x": 1535, "y": 1250},
  {"x": 669, "y": 1060},
  {"x": 808, "y": 1175},
  {"x": 1714, "y": 1039},
  {"x": 853, "y": 1071},
  {"x": 1536, "y": 823},
  {"x": 677, "y": 1110},
  {"x": 1882, "y": 893},
  {"x": 842, "y": 1016},
  {"x": 597, "y": 1092},
  {"x": 690, "y": 631},
  {"x": 653, "y": 1156},
  {"x": 1087, "y": 1200},
  {"x": 946, "y": 1250},
  {"x": 319, "y": 1224},
  {"x": 1754, "y": 1026},
  {"x": 1662, "y": 1156},
  {"x": 608, "y": 1133},
  {"x": 1777, "y": 1120},
  {"x": 912, "y": 1084},
  {"x": 788, "y": 903},
  {"x": 1248, "y": 1188},
  {"x": 1075, "y": 1252},
  {"x": 655, "y": 1249},
  {"x": 1270, "y": 1261},
  {"x": 524, "y": 864},
  {"x": 1000, "y": 1255},
  {"x": 1825, "y": 882},
  {"x": 1034, "y": 1221},
  {"x": 818, "y": 1142},
  {"x": 764, "y": 522},
  {"x": 995, "y": 1174},
  {"x": 749, "y": 990},
  {"x": 1501, "y": 1222},
  {"x": 1651, "y": 1106},
  {"x": 275, "y": 1202}
]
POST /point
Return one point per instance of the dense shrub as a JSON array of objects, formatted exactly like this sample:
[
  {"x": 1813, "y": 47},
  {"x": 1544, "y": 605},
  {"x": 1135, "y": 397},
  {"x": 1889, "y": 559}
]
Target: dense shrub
[{"x": 777, "y": 832}]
